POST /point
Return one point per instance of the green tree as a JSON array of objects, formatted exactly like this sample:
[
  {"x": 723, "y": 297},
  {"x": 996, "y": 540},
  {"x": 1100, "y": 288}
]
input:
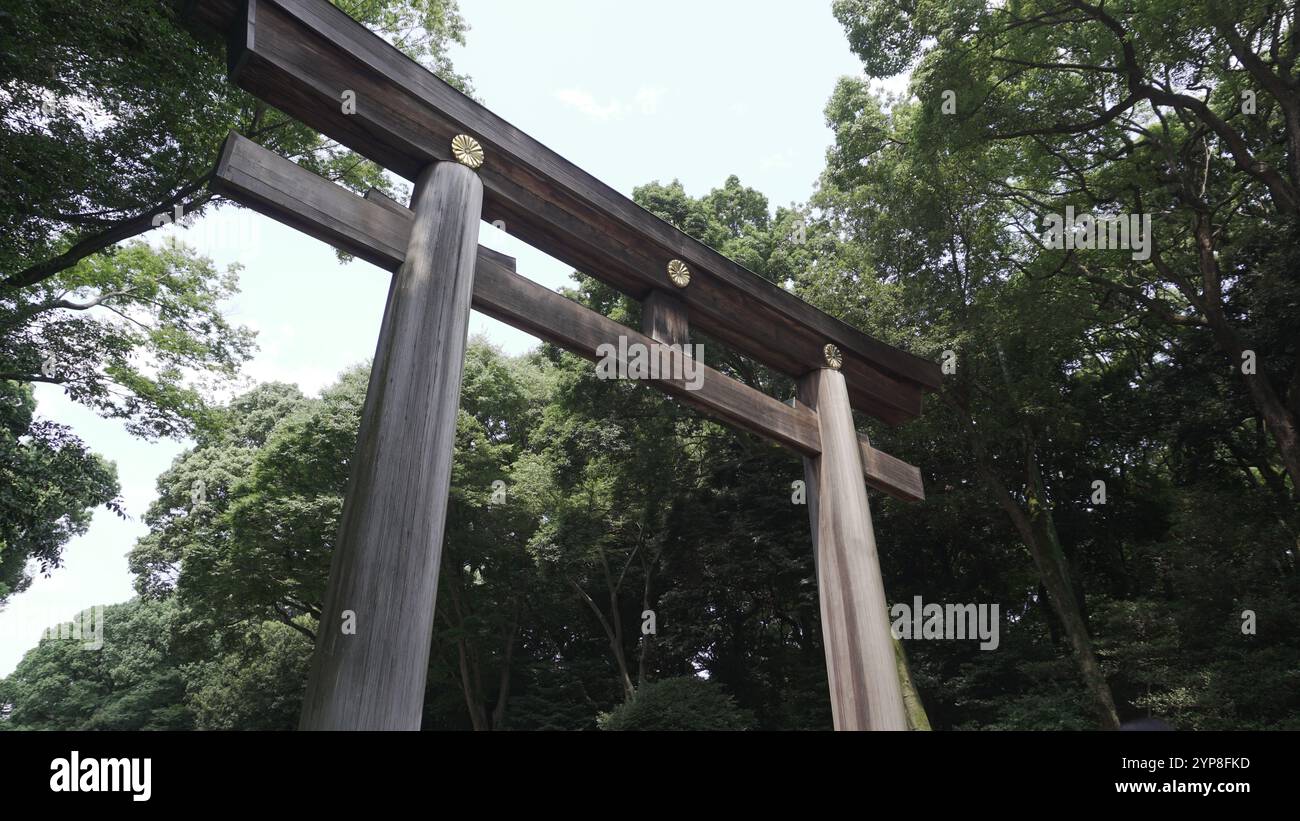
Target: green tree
[
  {"x": 245, "y": 522},
  {"x": 138, "y": 335},
  {"x": 1075, "y": 366},
  {"x": 115, "y": 117},
  {"x": 647, "y": 506},
  {"x": 49, "y": 485},
  {"x": 1188, "y": 114},
  {"x": 124, "y": 678},
  {"x": 490, "y": 588},
  {"x": 683, "y": 703},
  {"x": 193, "y": 525},
  {"x": 1012, "y": 338},
  {"x": 256, "y": 685}
]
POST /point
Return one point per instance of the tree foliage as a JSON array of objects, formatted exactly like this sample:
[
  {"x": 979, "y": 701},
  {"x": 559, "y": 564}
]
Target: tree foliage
[
  {"x": 682, "y": 703},
  {"x": 114, "y": 116},
  {"x": 49, "y": 485}
]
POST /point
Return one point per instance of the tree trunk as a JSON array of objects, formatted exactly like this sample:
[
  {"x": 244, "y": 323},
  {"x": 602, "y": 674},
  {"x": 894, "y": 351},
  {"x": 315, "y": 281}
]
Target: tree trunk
[
  {"x": 503, "y": 686},
  {"x": 1045, "y": 546},
  {"x": 1278, "y": 420},
  {"x": 916, "y": 715},
  {"x": 1037, "y": 530},
  {"x": 614, "y": 633}
]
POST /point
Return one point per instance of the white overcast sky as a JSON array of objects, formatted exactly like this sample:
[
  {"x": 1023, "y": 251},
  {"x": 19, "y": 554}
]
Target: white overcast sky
[{"x": 630, "y": 92}]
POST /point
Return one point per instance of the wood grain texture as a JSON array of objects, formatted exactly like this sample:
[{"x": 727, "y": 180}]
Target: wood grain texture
[
  {"x": 285, "y": 191},
  {"x": 860, "y": 663},
  {"x": 376, "y": 196},
  {"x": 376, "y": 228},
  {"x": 300, "y": 55},
  {"x": 386, "y": 560},
  {"x": 664, "y": 318},
  {"x": 890, "y": 475}
]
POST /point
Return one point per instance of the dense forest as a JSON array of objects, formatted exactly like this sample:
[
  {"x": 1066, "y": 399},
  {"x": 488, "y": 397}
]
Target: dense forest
[{"x": 1113, "y": 459}]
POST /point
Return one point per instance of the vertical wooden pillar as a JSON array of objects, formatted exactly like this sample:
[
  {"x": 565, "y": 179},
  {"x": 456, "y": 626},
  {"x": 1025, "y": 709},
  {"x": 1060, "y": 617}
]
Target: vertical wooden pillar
[
  {"x": 860, "y": 664},
  {"x": 384, "y": 575}
]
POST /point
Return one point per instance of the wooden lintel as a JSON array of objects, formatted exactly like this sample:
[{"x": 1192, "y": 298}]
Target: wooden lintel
[
  {"x": 374, "y": 228},
  {"x": 300, "y": 55},
  {"x": 375, "y": 195},
  {"x": 523, "y": 304},
  {"x": 890, "y": 475},
  {"x": 664, "y": 318}
]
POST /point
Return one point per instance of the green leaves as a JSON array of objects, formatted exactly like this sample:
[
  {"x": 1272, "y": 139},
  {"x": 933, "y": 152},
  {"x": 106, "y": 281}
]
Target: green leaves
[
  {"x": 49, "y": 486},
  {"x": 684, "y": 703},
  {"x": 137, "y": 335},
  {"x": 130, "y": 682},
  {"x": 116, "y": 114}
]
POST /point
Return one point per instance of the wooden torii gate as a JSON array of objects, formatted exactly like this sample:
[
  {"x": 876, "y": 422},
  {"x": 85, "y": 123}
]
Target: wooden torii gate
[{"x": 468, "y": 164}]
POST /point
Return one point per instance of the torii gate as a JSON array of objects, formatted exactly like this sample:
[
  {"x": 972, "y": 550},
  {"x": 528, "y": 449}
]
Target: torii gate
[{"x": 468, "y": 165}]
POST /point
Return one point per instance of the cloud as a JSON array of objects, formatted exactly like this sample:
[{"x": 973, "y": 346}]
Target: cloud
[
  {"x": 645, "y": 101},
  {"x": 583, "y": 101}
]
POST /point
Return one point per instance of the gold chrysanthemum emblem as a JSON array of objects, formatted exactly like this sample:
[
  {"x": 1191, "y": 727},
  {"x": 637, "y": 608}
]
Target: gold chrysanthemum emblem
[
  {"x": 466, "y": 150},
  {"x": 834, "y": 359},
  {"x": 679, "y": 273}
]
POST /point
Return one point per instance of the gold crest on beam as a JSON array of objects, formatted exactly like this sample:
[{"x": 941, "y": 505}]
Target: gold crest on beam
[{"x": 466, "y": 150}]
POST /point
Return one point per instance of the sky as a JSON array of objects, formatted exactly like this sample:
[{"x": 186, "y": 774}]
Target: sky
[{"x": 630, "y": 92}]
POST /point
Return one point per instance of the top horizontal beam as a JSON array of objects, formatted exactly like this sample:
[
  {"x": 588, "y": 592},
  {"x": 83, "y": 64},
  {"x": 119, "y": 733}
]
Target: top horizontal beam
[{"x": 301, "y": 55}]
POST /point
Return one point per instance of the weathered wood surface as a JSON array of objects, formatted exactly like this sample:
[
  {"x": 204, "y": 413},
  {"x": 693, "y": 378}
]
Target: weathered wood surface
[
  {"x": 889, "y": 474},
  {"x": 860, "y": 663},
  {"x": 384, "y": 572},
  {"x": 368, "y": 228},
  {"x": 375, "y": 228},
  {"x": 300, "y": 55},
  {"x": 665, "y": 318}
]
